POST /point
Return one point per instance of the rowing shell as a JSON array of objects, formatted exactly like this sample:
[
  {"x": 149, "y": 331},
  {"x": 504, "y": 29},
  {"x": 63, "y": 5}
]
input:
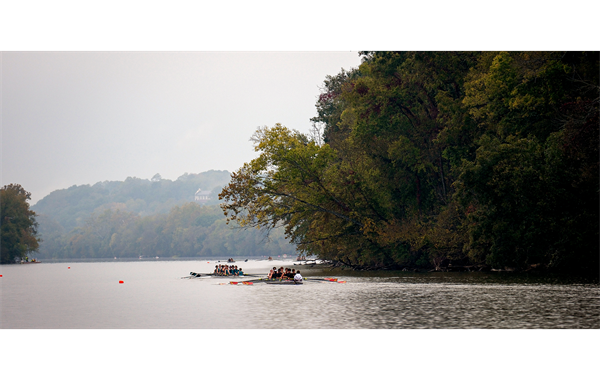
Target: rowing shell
[
  {"x": 212, "y": 275},
  {"x": 277, "y": 281},
  {"x": 263, "y": 281},
  {"x": 286, "y": 281}
]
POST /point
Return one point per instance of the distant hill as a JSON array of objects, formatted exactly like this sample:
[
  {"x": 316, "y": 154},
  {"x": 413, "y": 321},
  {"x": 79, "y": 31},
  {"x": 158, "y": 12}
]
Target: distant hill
[
  {"x": 71, "y": 207},
  {"x": 147, "y": 218}
]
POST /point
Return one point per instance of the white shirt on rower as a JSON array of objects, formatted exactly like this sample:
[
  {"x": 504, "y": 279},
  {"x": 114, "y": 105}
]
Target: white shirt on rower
[{"x": 298, "y": 277}]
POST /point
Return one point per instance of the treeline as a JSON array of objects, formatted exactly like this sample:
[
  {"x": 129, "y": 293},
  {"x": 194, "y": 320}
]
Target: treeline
[
  {"x": 190, "y": 230},
  {"x": 438, "y": 160},
  {"x": 140, "y": 217}
]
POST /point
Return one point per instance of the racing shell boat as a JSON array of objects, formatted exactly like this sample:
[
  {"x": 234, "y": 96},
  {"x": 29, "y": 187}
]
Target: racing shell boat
[
  {"x": 285, "y": 281},
  {"x": 212, "y": 275}
]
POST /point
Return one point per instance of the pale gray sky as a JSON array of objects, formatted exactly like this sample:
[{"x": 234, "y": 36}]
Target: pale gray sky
[{"x": 73, "y": 118}]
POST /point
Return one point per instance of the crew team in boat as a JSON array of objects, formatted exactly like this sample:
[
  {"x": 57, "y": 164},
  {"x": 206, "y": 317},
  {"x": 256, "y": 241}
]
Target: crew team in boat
[
  {"x": 228, "y": 270},
  {"x": 282, "y": 274}
]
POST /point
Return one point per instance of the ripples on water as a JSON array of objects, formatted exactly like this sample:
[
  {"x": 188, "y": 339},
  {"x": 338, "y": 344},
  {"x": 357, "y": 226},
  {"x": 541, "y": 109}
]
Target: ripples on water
[
  {"x": 444, "y": 300},
  {"x": 397, "y": 305},
  {"x": 153, "y": 295}
]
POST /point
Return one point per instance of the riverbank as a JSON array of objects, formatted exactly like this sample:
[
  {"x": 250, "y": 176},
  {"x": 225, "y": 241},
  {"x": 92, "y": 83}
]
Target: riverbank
[{"x": 481, "y": 268}]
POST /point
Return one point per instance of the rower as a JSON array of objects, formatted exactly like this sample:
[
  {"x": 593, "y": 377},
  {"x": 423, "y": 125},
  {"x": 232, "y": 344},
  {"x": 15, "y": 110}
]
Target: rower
[
  {"x": 280, "y": 273},
  {"x": 240, "y": 272},
  {"x": 298, "y": 278},
  {"x": 288, "y": 273}
]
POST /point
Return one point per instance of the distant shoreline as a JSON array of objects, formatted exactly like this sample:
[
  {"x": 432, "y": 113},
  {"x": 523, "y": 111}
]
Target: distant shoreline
[{"x": 146, "y": 259}]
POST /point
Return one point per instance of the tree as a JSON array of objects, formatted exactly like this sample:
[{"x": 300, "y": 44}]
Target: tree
[
  {"x": 369, "y": 194},
  {"x": 432, "y": 157},
  {"x": 293, "y": 183},
  {"x": 18, "y": 224},
  {"x": 532, "y": 186}
]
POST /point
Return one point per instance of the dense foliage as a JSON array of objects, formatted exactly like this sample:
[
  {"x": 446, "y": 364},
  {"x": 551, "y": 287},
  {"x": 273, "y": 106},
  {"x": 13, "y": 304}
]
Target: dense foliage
[
  {"x": 433, "y": 159},
  {"x": 17, "y": 223}
]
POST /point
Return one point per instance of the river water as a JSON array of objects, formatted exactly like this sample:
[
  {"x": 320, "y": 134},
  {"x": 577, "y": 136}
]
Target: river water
[{"x": 153, "y": 295}]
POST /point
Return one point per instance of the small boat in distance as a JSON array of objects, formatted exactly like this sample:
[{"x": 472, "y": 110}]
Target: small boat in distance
[{"x": 30, "y": 261}]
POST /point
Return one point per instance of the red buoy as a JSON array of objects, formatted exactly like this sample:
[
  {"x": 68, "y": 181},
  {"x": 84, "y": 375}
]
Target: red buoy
[
  {"x": 120, "y": 282},
  {"x": 69, "y": 268}
]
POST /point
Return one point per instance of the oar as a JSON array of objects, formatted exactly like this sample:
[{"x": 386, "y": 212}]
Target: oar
[
  {"x": 327, "y": 279},
  {"x": 240, "y": 282},
  {"x": 196, "y": 275}
]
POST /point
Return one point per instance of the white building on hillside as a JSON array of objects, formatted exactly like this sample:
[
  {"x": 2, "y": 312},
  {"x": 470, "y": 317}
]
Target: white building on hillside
[{"x": 202, "y": 196}]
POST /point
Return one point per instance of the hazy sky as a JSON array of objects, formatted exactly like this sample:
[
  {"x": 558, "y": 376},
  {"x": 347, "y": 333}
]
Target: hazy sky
[{"x": 73, "y": 118}]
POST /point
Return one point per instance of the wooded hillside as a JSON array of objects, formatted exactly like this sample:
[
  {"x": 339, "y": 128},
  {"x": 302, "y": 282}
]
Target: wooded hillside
[
  {"x": 136, "y": 217},
  {"x": 438, "y": 160}
]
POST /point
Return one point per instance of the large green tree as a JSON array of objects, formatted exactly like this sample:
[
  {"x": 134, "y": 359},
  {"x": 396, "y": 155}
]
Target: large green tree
[
  {"x": 370, "y": 195},
  {"x": 432, "y": 158},
  {"x": 18, "y": 224}
]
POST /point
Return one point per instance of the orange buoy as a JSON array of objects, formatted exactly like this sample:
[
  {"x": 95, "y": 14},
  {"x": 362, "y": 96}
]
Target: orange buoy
[
  {"x": 120, "y": 282},
  {"x": 0, "y": 275},
  {"x": 69, "y": 268}
]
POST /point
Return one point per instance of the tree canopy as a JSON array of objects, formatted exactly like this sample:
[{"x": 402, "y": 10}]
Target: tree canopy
[
  {"x": 430, "y": 159},
  {"x": 18, "y": 224}
]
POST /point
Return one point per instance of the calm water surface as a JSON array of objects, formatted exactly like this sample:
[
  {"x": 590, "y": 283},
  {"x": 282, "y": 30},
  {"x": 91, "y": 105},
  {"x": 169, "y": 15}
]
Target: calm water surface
[{"x": 154, "y": 295}]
